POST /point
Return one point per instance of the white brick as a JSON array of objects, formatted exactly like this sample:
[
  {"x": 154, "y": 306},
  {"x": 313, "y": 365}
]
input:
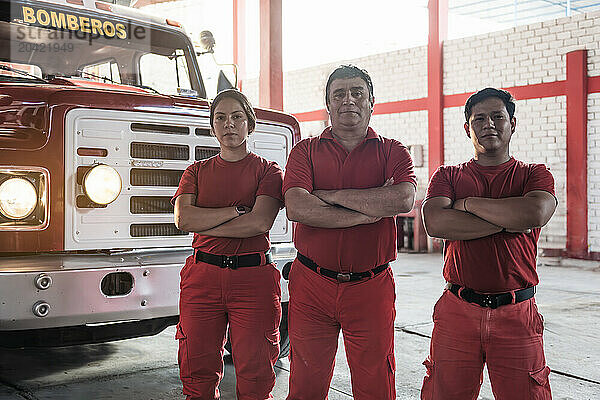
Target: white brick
[
  {"x": 527, "y": 34},
  {"x": 556, "y": 28},
  {"x": 570, "y": 26},
  {"x": 585, "y": 39}
]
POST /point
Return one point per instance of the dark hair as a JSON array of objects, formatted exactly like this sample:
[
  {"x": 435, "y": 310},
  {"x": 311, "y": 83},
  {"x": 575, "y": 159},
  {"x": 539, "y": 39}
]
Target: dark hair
[
  {"x": 349, "y": 71},
  {"x": 506, "y": 97},
  {"x": 239, "y": 96}
]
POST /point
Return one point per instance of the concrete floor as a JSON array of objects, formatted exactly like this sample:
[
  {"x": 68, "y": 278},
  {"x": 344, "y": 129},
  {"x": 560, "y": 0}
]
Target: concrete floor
[{"x": 146, "y": 368}]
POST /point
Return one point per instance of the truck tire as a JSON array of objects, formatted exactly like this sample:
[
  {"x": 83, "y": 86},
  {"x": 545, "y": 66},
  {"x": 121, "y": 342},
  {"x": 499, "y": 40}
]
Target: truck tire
[{"x": 284, "y": 341}]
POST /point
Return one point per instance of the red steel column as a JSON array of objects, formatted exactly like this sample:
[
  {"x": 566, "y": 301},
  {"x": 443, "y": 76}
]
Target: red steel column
[
  {"x": 239, "y": 39},
  {"x": 438, "y": 31},
  {"x": 270, "y": 80},
  {"x": 577, "y": 205}
]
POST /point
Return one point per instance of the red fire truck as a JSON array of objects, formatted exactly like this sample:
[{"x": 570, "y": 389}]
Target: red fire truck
[{"x": 101, "y": 110}]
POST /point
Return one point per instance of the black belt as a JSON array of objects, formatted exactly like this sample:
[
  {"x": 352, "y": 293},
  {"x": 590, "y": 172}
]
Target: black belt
[
  {"x": 491, "y": 300},
  {"x": 341, "y": 276},
  {"x": 234, "y": 262}
]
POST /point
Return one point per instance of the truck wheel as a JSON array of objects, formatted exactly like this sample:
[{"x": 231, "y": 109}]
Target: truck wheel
[{"x": 284, "y": 341}]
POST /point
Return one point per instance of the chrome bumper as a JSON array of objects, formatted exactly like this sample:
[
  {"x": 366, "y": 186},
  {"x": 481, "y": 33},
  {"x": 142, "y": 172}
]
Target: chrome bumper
[{"x": 74, "y": 296}]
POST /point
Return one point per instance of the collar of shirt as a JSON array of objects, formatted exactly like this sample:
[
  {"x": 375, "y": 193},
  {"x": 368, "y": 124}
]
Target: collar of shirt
[{"x": 328, "y": 135}]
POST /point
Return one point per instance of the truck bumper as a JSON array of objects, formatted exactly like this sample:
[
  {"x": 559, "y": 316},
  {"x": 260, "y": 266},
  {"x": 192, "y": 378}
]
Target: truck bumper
[{"x": 77, "y": 297}]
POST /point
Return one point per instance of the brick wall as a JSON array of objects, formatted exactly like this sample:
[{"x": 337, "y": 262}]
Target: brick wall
[
  {"x": 519, "y": 56},
  {"x": 540, "y": 137}
]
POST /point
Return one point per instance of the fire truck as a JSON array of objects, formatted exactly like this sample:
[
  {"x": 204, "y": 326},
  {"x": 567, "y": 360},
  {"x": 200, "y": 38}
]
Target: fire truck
[{"x": 102, "y": 108}]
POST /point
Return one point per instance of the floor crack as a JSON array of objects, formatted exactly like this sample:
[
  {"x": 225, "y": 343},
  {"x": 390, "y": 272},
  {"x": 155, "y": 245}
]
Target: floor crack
[
  {"x": 574, "y": 376},
  {"x": 21, "y": 391},
  {"x": 411, "y": 332}
]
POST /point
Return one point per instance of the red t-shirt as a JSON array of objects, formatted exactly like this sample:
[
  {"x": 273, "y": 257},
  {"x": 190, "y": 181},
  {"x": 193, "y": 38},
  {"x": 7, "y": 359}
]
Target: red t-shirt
[
  {"x": 220, "y": 183},
  {"x": 503, "y": 261},
  {"x": 323, "y": 163}
]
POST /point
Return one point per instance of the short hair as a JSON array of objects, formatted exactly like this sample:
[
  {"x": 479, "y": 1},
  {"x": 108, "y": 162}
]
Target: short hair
[
  {"x": 349, "y": 71},
  {"x": 244, "y": 102},
  {"x": 478, "y": 97}
]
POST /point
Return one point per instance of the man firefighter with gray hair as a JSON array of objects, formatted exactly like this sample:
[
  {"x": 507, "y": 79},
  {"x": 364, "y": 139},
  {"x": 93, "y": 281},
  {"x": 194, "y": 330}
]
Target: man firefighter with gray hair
[{"x": 344, "y": 188}]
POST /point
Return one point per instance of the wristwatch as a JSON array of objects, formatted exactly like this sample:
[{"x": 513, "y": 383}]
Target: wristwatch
[{"x": 240, "y": 210}]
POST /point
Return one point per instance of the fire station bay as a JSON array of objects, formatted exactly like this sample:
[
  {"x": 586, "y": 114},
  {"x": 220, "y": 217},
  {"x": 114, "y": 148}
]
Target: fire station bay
[{"x": 268, "y": 199}]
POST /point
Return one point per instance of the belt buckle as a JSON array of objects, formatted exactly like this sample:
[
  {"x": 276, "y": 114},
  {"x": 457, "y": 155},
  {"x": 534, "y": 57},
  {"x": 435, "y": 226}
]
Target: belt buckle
[
  {"x": 490, "y": 301},
  {"x": 343, "y": 277},
  {"x": 230, "y": 262}
]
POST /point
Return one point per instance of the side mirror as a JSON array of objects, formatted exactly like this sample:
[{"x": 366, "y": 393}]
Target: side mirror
[
  {"x": 207, "y": 42},
  {"x": 224, "y": 83}
]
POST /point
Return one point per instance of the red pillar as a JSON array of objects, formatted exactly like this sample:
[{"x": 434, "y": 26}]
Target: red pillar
[
  {"x": 438, "y": 31},
  {"x": 239, "y": 39},
  {"x": 577, "y": 205},
  {"x": 270, "y": 81}
]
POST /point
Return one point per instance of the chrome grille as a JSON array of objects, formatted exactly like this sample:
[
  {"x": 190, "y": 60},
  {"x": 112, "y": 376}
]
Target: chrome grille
[
  {"x": 159, "y": 151},
  {"x": 150, "y": 205},
  {"x": 154, "y": 177},
  {"x": 203, "y": 153},
  {"x": 145, "y": 230},
  {"x": 150, "y": 151},
  {"x": 202, "y": 132},
  {"x": 160, "y": 128}
]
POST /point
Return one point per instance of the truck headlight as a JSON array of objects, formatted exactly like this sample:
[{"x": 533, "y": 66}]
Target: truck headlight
[
  {"x": 18, "y": 198},
  {"x": 102, "y": 184}
]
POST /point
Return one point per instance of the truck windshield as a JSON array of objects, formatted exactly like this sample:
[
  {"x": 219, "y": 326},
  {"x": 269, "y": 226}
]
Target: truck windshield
[{"x": 46, "y": 40}]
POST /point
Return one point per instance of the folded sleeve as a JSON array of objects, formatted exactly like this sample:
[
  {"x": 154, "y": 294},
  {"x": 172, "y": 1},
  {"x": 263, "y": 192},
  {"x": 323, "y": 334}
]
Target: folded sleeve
[
  {"x": 271, "y": 182},
  {"x": 400, "y": 164},
  {"x": 298, "y": 171},
  {"x": 188, "y": 184},
  {"x": 440, "y": 185},
  {"x": 540, "y": 178}
]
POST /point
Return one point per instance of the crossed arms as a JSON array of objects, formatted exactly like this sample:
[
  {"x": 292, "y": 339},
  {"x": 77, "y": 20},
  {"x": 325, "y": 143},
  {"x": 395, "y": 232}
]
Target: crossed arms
[
  {"x": 348, "y": 207},
  {"x": 449, "y": 220},
  {"x": 224, "y": 221}
]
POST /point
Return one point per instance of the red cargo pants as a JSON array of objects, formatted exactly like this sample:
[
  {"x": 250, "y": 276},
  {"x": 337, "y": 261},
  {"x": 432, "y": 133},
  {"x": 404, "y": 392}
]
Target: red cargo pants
[
  {"x": 249, "y": 301},
  {"x": 364, "y": 311},
  {"x": 466, "y": 335}
]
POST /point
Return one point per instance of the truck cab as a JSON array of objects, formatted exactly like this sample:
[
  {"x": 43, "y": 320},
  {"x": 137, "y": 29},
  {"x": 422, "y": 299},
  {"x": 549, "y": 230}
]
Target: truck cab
[{"x": 102, "y": 108}]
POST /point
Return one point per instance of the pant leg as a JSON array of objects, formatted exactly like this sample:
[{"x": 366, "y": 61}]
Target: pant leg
[
  {"x": 367, "y": 313},
  {"x": 455, "y": 362},
  {"x": 313, "y": 331},
  {"x": 254, "y": 309},
  {"x": 515, "y": 354},
  {"x": 201, "y": 331}
]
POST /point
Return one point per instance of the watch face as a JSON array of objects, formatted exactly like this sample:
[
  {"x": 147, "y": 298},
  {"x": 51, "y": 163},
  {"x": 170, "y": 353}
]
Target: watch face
[{"x": 240, "y": 210}]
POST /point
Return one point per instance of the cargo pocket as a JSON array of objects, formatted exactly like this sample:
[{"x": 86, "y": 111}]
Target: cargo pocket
[
  {"x": 540, "y": 385},
  {"x": 272, "y": 344},
  {"x": 428, "y": 384},
  {"x": 182, "y": 355}
]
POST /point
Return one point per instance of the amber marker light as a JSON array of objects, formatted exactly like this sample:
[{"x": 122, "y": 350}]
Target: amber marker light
[
  {"x": 173, "y": 23},
  {"x": 102, "y": 184},
  {"x": 18, "y": 198},
  {"x": 100, "y": 5}
]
